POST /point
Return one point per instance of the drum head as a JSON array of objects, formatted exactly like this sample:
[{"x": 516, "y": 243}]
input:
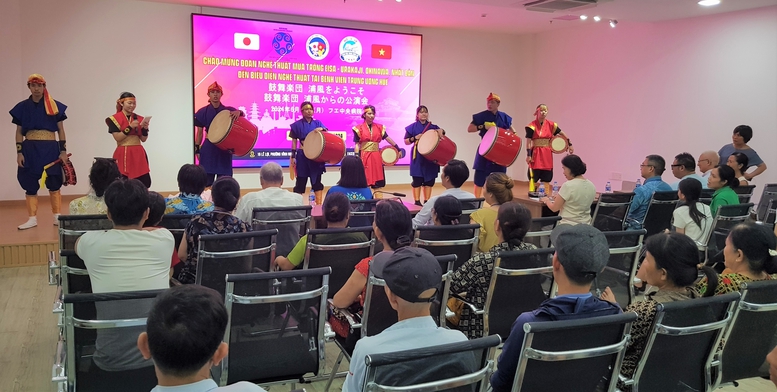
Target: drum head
[
  {"x": 558, "y": 144},
  {"x": 389, "y": 155},
  {"x": 219, "y": 127},
  {"x": 488, "y": 140},
  {"x": 428, "y": 142},
  {"x": 314, "y": 145}
]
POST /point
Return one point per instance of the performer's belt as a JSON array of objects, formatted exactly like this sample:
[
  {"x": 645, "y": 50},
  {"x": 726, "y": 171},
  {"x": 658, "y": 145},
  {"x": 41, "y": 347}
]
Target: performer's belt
[
  {"x": 370, "y": 146},
  {"x": 40, "y": 134},
  {"x": 131, "y": 140},
  {"x": 541, "y": 142}
]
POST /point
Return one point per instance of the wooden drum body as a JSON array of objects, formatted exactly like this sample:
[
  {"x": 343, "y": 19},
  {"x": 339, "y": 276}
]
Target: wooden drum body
[
  {"x": 238, "y": 136},
  {"x": 500, "y": 146},
  {"x": 559, "y": 144},
  {"x": 389, "y": 155},
  {"x": 324, "y": 147},
  {"x": 436, "y": 148}
]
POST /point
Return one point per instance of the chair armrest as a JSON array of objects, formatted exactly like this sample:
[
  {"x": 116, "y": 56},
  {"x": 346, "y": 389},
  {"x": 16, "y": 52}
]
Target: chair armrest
[
  {"x": 329, "y": 334},
  {"x": 347, "y": 314},
  {"x": 59, "y": 306},
  {"x": 58, "y": 373},
  {"x": 625, "y": 380},
  {"x": 54, "y": 269},
  {"x": 471, "y": 306},
  {"x": 174, "y": 282}
]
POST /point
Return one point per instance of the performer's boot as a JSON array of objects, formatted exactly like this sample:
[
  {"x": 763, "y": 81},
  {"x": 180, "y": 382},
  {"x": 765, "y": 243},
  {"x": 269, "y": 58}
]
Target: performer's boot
[
  {"x": 417, "y": 196},
  {"x": 32, "y": 211},
  {"x": 478, "y": 191},
  {"x": 427, "y": 193},
  {"x": 319, "y": 197},
  {"x": 56, "y": 205}
]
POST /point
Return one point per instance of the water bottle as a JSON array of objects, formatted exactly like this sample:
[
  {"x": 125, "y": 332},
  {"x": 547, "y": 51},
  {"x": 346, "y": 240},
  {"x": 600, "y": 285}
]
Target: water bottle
[
  {"x": 607, "y": 187},
  {"x": 638, "y": 184},
  {"x": 540, "y": 189},
  {"x": 312, "y": 198},
  {"x": 555, "y": 190}
]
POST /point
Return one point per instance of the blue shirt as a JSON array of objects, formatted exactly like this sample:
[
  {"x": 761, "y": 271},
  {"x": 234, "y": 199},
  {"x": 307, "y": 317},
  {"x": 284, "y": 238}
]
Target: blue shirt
[
  {"x": 186, "y": 203},
  {"x": 752, "y": 157},
  {"x": 300, "y": 129},
  {"x": 695, "y": 176},
  {"x": 641, "y": 201},
  {"x": 352, "y": 193},
  {"x": 419, "y": 165},
  {"x": 502, "y": 120},
  {"x": 424, "y": 217},
  {"x": 207, "y": 113},
  {"x": 213, "y": 159},
  {"x": 31, "y": 115}
]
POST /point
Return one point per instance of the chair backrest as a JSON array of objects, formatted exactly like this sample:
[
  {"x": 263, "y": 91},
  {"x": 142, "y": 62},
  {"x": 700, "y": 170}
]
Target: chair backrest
[
  {"x": 119, "y": 319},
  {"x": 72, "y": 226},
  {"x": 727, "y": 217},
  {"x": 291, "y": 222},
  {"x": 611, "y": 211},
  {"x": 378, "y": 313},
  {"x": 539, "y": 231},
  {"x": 753, "y": 333},
  {"x": 745, "y": 193},
  {"x": 460, "y": 240},
  {"x": 276, "y": 326},
  {"x": 659, "y": 214},
  {"x": 439, "y": 305},
  {"x": 690, "y": 330},
  {"x": 573, "y": 355},
  {"x": 238, "y": 253},
  {"x": 176, "y": 223},
  {"x": 468, "y": 206},
  {"x": 519, "y": 283},
  {"x": 363, "y": 212},
  {"x": 75, "y": 278},
  {"x": 336, "y": 249},
  {"x": 706, "y": 196},
  {"x": 618, "y": 275},
  {"x": 766, "y": 205},
  {"x": 463, "y": 366}
]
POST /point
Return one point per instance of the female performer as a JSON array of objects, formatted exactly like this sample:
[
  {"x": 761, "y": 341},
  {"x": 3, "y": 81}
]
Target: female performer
[
  {"x": 423, "y": 171},
  {"x": 367, "y": 137},
  {"x": 539, "y": 156},
  {"x": 130, "y": 130},
  {"x": 217, "y": 162},
  {"x": 304, "y": 167}
]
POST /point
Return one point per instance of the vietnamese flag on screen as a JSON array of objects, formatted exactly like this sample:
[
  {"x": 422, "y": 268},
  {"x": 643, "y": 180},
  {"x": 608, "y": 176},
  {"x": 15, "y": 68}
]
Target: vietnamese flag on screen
[{"x": 381, "y": 51}]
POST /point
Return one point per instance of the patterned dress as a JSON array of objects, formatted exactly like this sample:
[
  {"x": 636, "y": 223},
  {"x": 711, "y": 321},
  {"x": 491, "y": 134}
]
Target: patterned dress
[
  {"x": 214, "y": 222},
  {"x": 727, "y": 283},
  {"x": 474, "y": 277}
]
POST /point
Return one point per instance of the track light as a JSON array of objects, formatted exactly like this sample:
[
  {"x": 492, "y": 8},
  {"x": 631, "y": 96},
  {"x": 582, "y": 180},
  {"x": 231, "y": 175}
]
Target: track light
[
  {"x": 583, "y": 17},
  {"x": 709, "y": 3},
  {"x": 597, "y": 18},
  {"x": 613, "y": 23}
]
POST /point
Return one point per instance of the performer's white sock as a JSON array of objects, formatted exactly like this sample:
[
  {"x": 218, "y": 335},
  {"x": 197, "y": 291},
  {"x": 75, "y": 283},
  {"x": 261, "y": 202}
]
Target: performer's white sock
[
  {"x": 32, "y": 222},
  {"x": 56, "y": 219}
]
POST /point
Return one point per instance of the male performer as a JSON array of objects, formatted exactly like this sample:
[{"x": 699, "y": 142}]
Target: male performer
[
  {"x": 481, "y": 122},
  {"x": 305, "y": 168},
  {"x": 38, "y": 122},
  {"x": 217, "y": 162},
  {"x": 539, "y": 156}
]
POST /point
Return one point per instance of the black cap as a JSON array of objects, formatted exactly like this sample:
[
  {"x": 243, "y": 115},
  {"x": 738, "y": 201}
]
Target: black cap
[{"x": 411, "y": 271}]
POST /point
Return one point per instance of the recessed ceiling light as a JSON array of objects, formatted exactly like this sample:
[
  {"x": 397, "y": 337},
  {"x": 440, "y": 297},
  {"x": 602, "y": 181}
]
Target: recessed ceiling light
[
  {"x": 709, "y": 3},
  {"x": 583, "y": 17},
  {"x": 613, "y": 23},
  {"x": 597, "y": 18}
]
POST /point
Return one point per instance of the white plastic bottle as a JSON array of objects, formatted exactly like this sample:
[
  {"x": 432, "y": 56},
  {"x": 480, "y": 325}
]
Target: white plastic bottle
[
  {"x": 540, "y": 189},
  {"x": 607, "y": 187},
  {"x": 312, "y": 198}
]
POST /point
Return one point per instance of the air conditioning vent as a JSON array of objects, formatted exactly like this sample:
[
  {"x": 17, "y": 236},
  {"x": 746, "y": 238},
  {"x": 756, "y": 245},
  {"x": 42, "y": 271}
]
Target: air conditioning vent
[{"x": 558, "y": 5}]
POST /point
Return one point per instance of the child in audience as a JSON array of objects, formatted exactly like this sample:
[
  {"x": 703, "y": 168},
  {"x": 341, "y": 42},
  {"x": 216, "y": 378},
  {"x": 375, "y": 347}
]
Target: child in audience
[
  {"x": 498, "y": 190},
  {"x": 156, "y": 210}
]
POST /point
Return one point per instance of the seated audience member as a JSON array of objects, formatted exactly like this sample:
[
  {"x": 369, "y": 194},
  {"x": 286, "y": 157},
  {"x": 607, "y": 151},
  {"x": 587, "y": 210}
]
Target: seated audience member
[
  {"x": 651, "y": 170},
  {"x": 575, "y": 197},
  {"x": 772, "y": 359},
  {"x": 498, "y": 190},
  {"x": 447, "y": 212},
  {"x": 454, "y": 174},
  {"x": 692, "y": 218},
  {"x": 191, "y": 183},
  {"x": 413, "y": 276},
  {"x": 741, "y": 136},
  {"x": 125, "y": 258},
  {"x": 670, "y": 269},
  {"x": 183, "y": 336},
  {"x": 581, "y": 254},
  {"x": 707, "y": 161},
  {"x": 684, "y": 166},
  {"x": 722, "y": 179},
  {"x": 472, "y": 279},
  {"x": 156, "y": 210},
  {"x": 271, "y": 195},
  {"x": 336, "y": 211},
  {"x": 226, "y": 193},
  {"x": 749, "y": 256},
  {"x": 738, "y": 161},
  {"x": 104, "y": 171},
  {"x": 353, "y": 181}
]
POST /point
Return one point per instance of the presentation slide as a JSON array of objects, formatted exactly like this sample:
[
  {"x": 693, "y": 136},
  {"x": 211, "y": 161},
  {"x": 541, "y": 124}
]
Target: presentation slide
[{"x": 267, "y": 69}]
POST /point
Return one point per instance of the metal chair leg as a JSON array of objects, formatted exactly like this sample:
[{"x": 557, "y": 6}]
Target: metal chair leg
[{"x": 334, "y": 371}]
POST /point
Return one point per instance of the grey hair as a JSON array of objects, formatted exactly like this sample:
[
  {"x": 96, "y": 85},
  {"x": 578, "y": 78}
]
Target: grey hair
[
  {"x": 714, "y": 157},
  {"x": 271, "y": 172}
]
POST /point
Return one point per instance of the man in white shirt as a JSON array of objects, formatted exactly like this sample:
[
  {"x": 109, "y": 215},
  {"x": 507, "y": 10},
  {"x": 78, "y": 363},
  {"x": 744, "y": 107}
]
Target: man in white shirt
[
  {"x": 708, "y": 160},
  {"x": 684, "y": 166},
  {"x": 454, "y": 174},
  {"x": 413, "y": 276},
  {"x": 271, "y": 195}
]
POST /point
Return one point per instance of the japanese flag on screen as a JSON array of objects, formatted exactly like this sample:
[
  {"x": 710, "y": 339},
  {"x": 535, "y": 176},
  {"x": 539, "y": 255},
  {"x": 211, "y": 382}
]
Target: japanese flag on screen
[{"x": 246, "y": 41}]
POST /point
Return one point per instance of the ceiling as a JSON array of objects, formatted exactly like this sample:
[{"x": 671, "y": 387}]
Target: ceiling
[{"x": 504, "y": 16}]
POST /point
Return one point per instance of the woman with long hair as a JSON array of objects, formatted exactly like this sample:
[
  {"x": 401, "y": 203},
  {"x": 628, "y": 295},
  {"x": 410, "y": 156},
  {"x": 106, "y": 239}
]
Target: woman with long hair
[
  {"x": 353, "y": 182},
  {"x": 130, "y": 130},
  {"x": 692, "y": 218},
  {"x": 498, "y": 190},
  {"x": 739, "y": 161}
]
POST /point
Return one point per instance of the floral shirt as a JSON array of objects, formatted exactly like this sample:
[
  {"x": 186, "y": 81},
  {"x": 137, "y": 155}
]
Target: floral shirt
[
  {"x": 215, "y": 222},
  {"x": 727, "y": 283},
  {"x": 88, "y": 205},
  {"x": 187, "y": 203}
]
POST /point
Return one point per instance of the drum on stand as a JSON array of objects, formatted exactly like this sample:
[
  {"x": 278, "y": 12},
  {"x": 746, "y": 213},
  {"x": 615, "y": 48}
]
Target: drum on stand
[
  {"x": 436, "y": 148},
  {"x": 500, "y": 146},
  {"x": 559, "y": 144},
  {"x": 389, "y": 155},
  {"x": 238, "y": 136},
  {"x": 324, "y": 147}
]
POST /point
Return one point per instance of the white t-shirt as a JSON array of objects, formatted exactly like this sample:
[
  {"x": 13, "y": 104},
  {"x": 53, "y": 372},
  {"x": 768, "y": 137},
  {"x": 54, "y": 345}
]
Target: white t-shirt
[
  {"x": 682, "y": 220},
  {"x": 269, "y": 197},
  {"x": 578, "y": 195}
]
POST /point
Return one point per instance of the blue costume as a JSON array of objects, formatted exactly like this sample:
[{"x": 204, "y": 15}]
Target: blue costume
[
  {"x": 38, "y": 152},
  {"x": 483, "y": 167},
  {"x": 425, "y": 170},
  {"x": 214, "y": 160},
  {"x": 305, "y": 167}
]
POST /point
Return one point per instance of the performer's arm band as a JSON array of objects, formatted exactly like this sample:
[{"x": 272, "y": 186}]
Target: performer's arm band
[
  {"x": 62, "y": 145},
  {"x": 196, "y": 148},
  {"x": 127, "y": 131},
  {"x": 569, "y": 141},
  {"x": 18, "y": 147},
  {"x": 528, "y": 152},
  {"x": 144, "y": 132}
]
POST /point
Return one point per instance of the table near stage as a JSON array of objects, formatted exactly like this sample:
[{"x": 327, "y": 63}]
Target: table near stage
[
  {"x": 538, "y": 209},
  {"x": 318, "y": 221}
]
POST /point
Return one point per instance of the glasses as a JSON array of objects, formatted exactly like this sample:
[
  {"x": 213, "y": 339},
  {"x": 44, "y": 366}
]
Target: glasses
[
  {"x": 646, "y": 166},
  {"x": 708, "y": 161},
  {"x": 676, "y": 166}
]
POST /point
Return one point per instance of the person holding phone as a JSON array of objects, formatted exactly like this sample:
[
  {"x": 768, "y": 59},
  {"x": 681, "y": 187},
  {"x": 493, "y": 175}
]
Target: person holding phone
[{"x": 130, "y": 130}]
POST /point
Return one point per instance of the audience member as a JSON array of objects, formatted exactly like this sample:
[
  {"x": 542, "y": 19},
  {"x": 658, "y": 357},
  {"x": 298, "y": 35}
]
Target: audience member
[
  {"x": 707, "y": 161},
  {"x": 353, "y": 181},
  {"x": 156, "y": 210},
  {"x": 738, "y": 161},
  {"x": 740, "y": 137},
  {"x": 191, "y": 183},
  {"x": 446, "y": 212},
  {"x": 471, "y": 280},
  {"x": 581, "y": 254},
  {"x": 498, "y": 191},
  {"x": 722, "y": 179},
  {"x": 184, "y": 333},
  {"x": 684, "y": 166},
  {"x": 651, "y": 170},
  {"x": 271, "y": 195},
  {"x": 104, "y": 171},
  {"x": 670, "y": 269},
  {"x": 692, "y": 218},
  {"x": 454, "y": 174},
  {"x": 413, "y": 277},
  {"x": 575, "y": 197},
  {"x": 336, "y": 211},
  {"x": 226, "y": 193}
]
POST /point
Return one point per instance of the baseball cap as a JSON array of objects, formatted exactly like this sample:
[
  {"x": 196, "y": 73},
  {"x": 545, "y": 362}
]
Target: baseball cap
[
  {"x": 411, "y": 271},
  {"x": 581, "y": 249}
]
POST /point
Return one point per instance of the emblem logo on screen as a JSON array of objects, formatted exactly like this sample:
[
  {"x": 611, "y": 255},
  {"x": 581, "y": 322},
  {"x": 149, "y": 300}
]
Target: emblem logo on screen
[
  {"x": 246, "y": 41},
  {"x": 317, "y": 47},
  {"x": 350, "y": 50},
  {"x": 282, "y": 43}
]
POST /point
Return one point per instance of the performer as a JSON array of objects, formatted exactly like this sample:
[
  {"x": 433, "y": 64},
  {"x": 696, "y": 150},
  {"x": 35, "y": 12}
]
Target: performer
[
  {"x": 215, "y": 161},
  {"x": 305, "y": 168},
  {"x": 539, "y": 156},
  {"x": 422, "y": 170},
  {"x": 367, "y": 137},
  {"x": 481, "y": 122},
  {"x": 130, "y": 130},
  {"x": 38, "y": 122}
]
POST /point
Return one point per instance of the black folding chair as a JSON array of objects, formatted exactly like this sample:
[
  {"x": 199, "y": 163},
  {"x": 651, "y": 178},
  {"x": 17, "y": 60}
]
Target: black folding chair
[
  {"x": 706, "y": 196},
  {"x": 325, "y": 250},
  {"x": 728, "y": 216},
  {"x": 611, "y": 211},
  {"x": 460, "y": 240},
  {"x": 70, "y": 228},
  {"x": 468, "y": 206},
  {"x": 621, "y": 269},
  {"x": 745, "y": 193},
  {"x": 291, "y": 222},
  {"x": 765, "y": 212},
  {"x": 659, "y": 214},
  {"x": 539, "y": 231},
  {"x": 363, "y": 212}
]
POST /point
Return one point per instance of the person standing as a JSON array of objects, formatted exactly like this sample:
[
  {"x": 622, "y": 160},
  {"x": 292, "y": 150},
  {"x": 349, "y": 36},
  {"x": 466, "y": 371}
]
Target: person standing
[
  {"x": 38, "y": 121},
  {"x": 741, "y": 136},
  {"x": 422, "y": 170},
  {"x": 217, "y": 162},
  {"x": 367, "y": 137},
  {"x": 130, "y": 130},
  {"x": 481, "y": 122},
  {"x": 306, "y": 168},
  {"x": 539, "y": 156}
]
